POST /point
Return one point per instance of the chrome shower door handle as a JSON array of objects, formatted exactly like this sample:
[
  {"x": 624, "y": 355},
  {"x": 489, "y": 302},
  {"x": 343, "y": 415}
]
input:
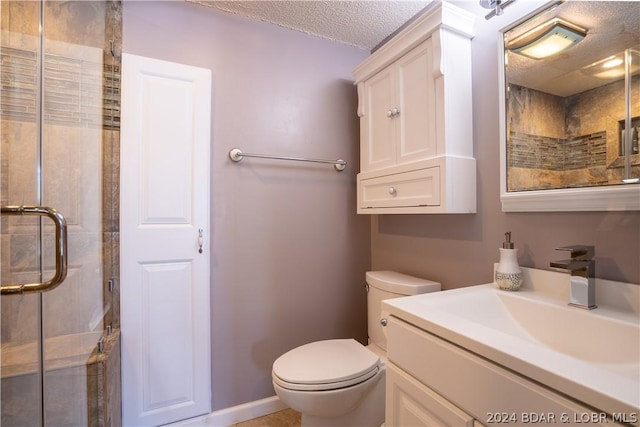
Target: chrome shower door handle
[{"x": 61, "y": 250}]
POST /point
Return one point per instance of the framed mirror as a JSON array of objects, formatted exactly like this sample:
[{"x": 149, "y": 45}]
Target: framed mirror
[{"x": 571, "y": 108}]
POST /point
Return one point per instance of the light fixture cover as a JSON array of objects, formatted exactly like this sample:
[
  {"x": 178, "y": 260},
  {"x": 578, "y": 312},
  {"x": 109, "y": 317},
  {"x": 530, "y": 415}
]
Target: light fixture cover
[
  {"x": 613, "y": 67},
  {"x": 548, "y": 39}
]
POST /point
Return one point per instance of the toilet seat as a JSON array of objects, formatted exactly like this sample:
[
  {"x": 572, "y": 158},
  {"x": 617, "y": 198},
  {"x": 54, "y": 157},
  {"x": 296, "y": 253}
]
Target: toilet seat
[{"x": 325, "y": 365}]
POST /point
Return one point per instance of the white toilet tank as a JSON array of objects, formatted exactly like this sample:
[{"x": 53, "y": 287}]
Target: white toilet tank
[{"x": 386, "y": 285}]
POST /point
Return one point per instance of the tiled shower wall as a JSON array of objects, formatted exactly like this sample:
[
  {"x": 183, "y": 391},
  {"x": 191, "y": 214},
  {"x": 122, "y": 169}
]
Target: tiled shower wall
[
  {"x": 557, "y": 142},
  {"x": 68, "y": 83},
  {"x": 81, "y": 97},
  {"x": 540, "y": 152}
]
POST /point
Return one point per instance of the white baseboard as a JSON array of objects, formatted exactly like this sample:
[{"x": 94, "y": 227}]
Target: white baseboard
[{"x": 235, "y": 414}]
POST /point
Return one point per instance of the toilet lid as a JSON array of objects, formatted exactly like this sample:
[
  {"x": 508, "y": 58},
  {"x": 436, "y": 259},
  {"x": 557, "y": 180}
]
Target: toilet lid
[{"x": 325, "y": 365}]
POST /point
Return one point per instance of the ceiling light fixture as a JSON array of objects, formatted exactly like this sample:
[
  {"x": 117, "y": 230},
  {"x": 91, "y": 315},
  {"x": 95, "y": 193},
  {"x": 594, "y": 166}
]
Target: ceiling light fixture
[
  {"x": 548, "y": 39},
  {"x": 610, "y": 68}
]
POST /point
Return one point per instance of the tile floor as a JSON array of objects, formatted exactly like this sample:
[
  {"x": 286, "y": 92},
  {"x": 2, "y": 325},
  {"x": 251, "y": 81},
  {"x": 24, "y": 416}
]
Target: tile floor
[{"x": 285, "y": 418}]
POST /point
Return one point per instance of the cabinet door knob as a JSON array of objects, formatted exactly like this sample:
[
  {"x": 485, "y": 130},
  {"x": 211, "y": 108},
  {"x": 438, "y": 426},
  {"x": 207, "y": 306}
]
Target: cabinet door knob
[
  {"x": 393, "y": 113},
  {"x": 392, "y": 191}
]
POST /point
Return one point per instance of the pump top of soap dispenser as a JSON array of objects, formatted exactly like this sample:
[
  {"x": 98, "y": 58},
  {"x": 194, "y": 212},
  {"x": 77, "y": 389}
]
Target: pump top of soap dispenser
[{"x": 507, "y": 244}]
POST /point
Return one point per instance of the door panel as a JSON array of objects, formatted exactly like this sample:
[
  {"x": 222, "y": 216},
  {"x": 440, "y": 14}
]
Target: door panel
[
  {"x": 164, "y": 211},
  {"x": 379, "y": 128},
  {"x": 417, "y": 138}
]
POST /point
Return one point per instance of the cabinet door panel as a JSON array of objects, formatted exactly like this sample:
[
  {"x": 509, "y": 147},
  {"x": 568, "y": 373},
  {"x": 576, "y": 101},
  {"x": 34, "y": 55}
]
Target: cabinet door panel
[
  {"x": 410, "y": 403},
  {"x": 378, "y": 129},
  {"x": 417, "y": 118}
]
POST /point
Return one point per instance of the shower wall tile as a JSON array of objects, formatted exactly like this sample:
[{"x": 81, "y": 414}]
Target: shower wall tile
[
  {"x": 19, "y": 409},
  {"x": 111, "y": 297},
  {"x": 576, "y": 136},
  {"x": 19, "y": 149},
  {"x": 106, "y": 406},
  {"x": 20, "y": 19},
  {"x": 111, "y": 180},
  {"x": 20, "y": 319},
  {"x": 82, "y": 86},
  {"x": 535, "y": 152},
  {"x": 535, "y": 113},
  {"x": 519, "y": 179}
]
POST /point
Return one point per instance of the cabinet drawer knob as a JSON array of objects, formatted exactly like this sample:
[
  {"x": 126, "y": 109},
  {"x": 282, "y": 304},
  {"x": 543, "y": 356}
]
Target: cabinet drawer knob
[{"x": 392, "y": 191}]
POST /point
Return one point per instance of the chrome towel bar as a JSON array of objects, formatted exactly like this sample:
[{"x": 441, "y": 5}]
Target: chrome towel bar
[
  {"x": 236, "y": 155},
  {"x": 61, "y": 250}
]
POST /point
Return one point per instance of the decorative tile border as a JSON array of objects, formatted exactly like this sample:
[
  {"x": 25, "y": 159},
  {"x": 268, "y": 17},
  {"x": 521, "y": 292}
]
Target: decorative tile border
[
  {"x": 539, "y": 152},
  {"x": 77, "y": 92}
]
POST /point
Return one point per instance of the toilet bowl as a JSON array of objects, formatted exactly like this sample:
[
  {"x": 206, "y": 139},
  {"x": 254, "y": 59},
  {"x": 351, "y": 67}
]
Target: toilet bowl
[
  {"x": 328, "y": 380},
  {"x": 341, "y": 382}
]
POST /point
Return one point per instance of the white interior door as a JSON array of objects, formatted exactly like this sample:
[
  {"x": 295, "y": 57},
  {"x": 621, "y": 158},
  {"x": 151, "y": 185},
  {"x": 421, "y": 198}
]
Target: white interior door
[{"x": 163, "y": 238}]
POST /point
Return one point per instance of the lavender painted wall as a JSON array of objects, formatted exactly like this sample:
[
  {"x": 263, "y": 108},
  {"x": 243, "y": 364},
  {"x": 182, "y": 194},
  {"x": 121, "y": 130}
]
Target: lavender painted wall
[
  {"x": 460, "y": 250},
  {"x": 289, "y": 251}
]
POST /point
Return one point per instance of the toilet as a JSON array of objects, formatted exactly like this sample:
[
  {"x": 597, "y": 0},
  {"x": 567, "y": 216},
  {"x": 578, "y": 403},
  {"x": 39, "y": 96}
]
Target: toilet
[{"x": 341, "y": 382}]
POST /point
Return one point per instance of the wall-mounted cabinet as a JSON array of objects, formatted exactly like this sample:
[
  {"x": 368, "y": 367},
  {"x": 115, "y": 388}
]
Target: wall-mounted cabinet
[{"x": 416, "y": 135}]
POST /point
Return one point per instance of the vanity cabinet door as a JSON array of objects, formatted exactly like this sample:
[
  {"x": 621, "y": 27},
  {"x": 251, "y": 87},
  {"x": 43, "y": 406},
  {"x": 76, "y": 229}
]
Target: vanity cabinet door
[
  {"x": 410, "y": 403},
  {"x": 398, "y": 124}
]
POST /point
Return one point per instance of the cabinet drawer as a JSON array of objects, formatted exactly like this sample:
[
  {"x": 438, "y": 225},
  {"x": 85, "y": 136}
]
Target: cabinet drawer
[
  {"x": 476, "y": 385},
  {"x": 416, "y": 188}
]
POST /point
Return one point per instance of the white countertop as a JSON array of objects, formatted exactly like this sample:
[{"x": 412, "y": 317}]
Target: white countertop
[{"x": 590, "y": 355}]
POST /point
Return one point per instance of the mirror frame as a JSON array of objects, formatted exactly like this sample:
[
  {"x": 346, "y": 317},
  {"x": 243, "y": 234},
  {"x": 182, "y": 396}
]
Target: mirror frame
[{"x": 623, "y": 197}]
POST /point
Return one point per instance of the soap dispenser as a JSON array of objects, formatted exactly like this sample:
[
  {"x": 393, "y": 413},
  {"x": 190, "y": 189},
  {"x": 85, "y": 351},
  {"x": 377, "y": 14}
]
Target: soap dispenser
[{"x": 508, "y": 275}]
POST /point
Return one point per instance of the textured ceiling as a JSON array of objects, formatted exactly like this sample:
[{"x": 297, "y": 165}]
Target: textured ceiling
[
  {"x": 612, "y": 27},
  {"x": 363, "y": 24}
]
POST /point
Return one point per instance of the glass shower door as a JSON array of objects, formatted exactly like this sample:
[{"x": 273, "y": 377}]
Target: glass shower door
[
  {"x": 54, "y": 143},
  {"x": 22, "y": 261}
]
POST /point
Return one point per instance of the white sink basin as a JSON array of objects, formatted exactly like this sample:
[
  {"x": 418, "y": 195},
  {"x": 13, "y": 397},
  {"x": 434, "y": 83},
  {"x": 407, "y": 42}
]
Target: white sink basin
[
  {"x": 591, "y": 355},
  {"x": 586, "y": 335}
]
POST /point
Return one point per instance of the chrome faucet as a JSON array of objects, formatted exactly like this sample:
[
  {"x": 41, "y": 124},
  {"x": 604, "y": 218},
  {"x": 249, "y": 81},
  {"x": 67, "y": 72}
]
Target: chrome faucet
[{"x": 582, "y": 269}]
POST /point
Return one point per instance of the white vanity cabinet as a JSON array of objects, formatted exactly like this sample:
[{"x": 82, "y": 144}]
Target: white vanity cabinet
[
  {"x": 416, "y": 136},
  {"x": 432, "y": 382}
]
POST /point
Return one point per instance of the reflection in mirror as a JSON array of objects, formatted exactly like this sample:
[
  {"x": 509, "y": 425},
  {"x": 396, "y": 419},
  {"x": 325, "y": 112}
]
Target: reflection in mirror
[{"x": 573, "y": 104}]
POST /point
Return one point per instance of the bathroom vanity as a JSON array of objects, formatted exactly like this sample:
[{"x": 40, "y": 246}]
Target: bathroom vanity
[{"x": 481, "y": 356}]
